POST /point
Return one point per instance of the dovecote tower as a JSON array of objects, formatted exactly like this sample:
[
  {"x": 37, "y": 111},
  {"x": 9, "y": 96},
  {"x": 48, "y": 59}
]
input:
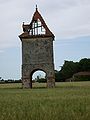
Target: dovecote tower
[{"x": 37, "y": 51}]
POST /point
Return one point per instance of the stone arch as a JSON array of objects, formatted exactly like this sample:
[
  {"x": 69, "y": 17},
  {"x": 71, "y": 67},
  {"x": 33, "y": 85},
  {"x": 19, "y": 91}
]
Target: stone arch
[
  {"x": 48, "y": 69},
  {"x": 35, "y": 70}
]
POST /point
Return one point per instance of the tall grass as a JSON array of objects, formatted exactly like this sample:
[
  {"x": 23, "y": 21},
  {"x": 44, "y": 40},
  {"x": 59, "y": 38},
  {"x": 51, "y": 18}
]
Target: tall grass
[{"x": 68, "y": 101}]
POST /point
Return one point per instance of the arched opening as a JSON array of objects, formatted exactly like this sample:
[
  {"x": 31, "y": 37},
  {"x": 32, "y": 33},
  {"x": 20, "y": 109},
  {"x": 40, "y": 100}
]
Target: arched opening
[{"x": 38, "y": 77}]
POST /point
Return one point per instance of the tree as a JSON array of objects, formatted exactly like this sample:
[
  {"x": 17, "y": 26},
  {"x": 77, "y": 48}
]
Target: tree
[
  {"x": 41, "y": 80},
  {"x": 69, "y": 68},
  {"x": 84, "y": 64}
]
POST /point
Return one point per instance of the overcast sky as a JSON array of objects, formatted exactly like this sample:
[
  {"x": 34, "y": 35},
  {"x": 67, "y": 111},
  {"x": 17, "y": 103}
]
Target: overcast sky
[{"x": 69, "y": 20}]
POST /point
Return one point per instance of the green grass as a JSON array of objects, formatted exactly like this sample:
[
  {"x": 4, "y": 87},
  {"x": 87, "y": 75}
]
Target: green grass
[{"x": 68, "y": 101}]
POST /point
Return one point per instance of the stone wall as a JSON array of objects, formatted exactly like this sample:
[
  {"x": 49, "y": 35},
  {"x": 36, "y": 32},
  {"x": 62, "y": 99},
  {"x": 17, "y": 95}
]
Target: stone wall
[{"x": 37, "y": 54}]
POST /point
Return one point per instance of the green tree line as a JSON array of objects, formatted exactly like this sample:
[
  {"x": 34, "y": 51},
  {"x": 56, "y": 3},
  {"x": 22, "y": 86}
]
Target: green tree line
[{"x": 70, "y": 68}]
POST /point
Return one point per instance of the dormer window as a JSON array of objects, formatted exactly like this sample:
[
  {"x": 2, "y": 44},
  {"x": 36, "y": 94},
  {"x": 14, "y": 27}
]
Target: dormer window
[{"x": 37, "y": 28}]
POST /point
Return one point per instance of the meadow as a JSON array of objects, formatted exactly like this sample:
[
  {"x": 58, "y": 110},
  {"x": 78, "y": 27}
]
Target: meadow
[{"x": 67, "y": 101}]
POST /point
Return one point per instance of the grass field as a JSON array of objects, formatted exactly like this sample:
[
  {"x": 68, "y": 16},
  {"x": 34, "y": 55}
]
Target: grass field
[{"x": 68, "y": 101}]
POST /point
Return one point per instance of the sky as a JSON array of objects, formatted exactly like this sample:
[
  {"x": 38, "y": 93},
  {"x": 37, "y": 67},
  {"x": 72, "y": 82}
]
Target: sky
[{"x": 69, "y": 20}]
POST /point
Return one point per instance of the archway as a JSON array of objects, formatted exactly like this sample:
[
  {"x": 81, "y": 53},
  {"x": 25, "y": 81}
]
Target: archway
[{"x": 38, "y": 76}]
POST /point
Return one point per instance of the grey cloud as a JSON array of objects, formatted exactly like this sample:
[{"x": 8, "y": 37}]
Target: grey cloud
[
  {"x": 62, "y": 16},
  {"x": 4, "y": 1}
]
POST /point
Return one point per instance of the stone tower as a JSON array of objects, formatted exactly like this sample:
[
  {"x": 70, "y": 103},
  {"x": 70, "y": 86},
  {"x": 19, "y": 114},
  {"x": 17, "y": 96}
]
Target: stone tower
[{"x": 37, "y": 51}]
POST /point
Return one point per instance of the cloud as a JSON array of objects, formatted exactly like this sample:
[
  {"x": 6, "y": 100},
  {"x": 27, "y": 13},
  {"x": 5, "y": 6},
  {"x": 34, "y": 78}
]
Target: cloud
[
  {"x": 1, "y": 51},
  {"x": 72, "y": 20},
  {"x": 65, "y": 18}
]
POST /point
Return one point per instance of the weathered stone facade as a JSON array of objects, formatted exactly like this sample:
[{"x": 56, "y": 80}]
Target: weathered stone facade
[{"x": 37, "y": 54}]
